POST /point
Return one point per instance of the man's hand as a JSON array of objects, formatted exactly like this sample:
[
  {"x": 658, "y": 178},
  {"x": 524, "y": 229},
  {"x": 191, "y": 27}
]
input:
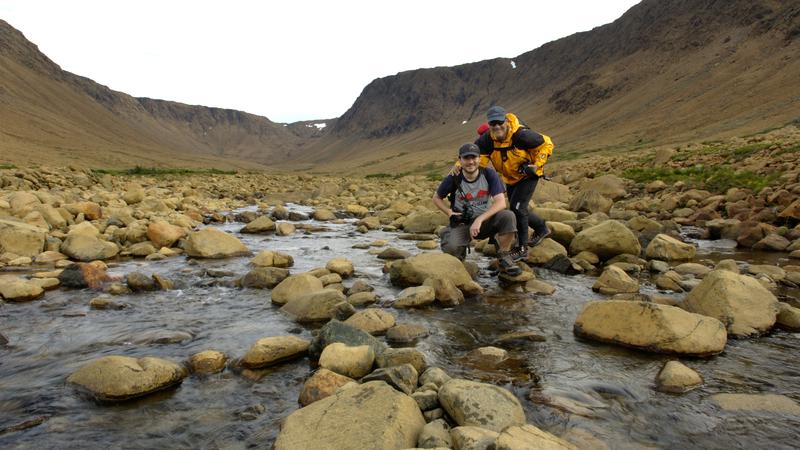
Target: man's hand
[
  {"x": 528, "y": 169},
  {"x": 475, "y": 228}
]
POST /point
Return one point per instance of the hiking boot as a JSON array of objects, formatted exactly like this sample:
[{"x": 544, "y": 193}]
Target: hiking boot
[
  {"x": 507, "y": 265},
  {"x": 536, "y": 240},
  {"x": 519, "y": 253}
]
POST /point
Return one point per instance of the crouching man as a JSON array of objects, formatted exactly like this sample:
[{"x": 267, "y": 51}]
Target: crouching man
[{"x": 477, "y": 210}]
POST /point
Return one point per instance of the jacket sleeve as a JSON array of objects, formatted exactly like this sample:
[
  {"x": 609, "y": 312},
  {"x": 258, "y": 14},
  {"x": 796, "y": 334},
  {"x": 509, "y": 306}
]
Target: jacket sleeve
[
  {"x": 539, "y": 146},
  {"x": 484, "y": 143}
]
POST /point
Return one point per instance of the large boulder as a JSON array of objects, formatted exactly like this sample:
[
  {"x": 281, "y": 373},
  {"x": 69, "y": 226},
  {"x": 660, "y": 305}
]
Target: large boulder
[
  {"x": 651, "y": 327},
  {"x": 480, "y": 404},
  {"x": 549, "y": 191},
  {"x": 295, "y": 286},
  {"x": 371, "y": 415},
  {"x": 615, "y": 281},
  {"x": 555, "y": 215},
  {"x": 21, "y": 239},
  {"x": 545, "y": 251},
  {"x": 15, "y": 289},
  {"x": 591, "y": 201},
  {"x": 214, "y": 243},
  {"x": 335, "y": 331},
  {"x": 314, "y": 306},
  {"x": 272, "y": 350},
  {"x": 82, "y": 247},
  {"x": 425, "y": 221},
  {"x": 164, "y": 234},
  {"x": 610, "y": 186},
  {"x": 740, "y": 302},
  {"x": 606, "y": 240},
  {"x": 353, "y": 362},
  {"x": 414, "y": 270},
  {"x": 261, "y": 225},
  {"x": 264, "y": 277},
  {"x": 113, "y": 378},
  {"x": 667, "y": 248}
]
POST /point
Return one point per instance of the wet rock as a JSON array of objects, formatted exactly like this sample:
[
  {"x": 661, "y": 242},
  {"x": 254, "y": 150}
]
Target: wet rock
[
  {"x": 545, "y": 251},
  {"x": 296, "y": 216},
  {"x": 373, "y": 320},
  {"x": 208, "y": 362},
  {"x": 371, "y": 415},
  {"x": 336, "y": 331},
  {"x": 164, "y": 234},
  {"x": 727, "y": 264},
  {"x": 117, "y": 289},
  {"x": 651, "y": 327},
  {"x": 677, "y": 378},
  {"x": 113, "y": 378},
  {"x": 295, "y": 286},
  {"x": 362, "y": 298},
  {"x": 331, "y": 278},
  {"x": 393, "y": 253},
  {"x": 268, "y": 258},
  {"x": 163, "y": 337},
  {"x": 415, "y": 270},
  {"x": 740, "y": 302},
  {"x": 614, "y": 281},
  {"x": 141, "y": 249},
  {"x": 81, "y": 247},
  {"x": 538, "y": 287},
  {"x": 519, "y": 338},
  {"x": 487, "y": 357},
  {"x": 341, "y": 266},
  {"x": 473, "y": 438},
  {"x": 353, "y": 362},
  {"x": 359, "y": 286},
  {"x": 324, "y": 215},
  {"x": 214, "y": 243},
  {"x": 445, "y": 291},
  {"x": 105, "y": 303},
  {"x": 402, "y": 377},
  {"x": 139, "y": 282},
  {"x": 564, "y": 265},
  {"x": 772, "y": 242},
  {"x": 273, "y": 350},
  {"x": 261, "y": 225},
  {"x": 428, "y": 245},
  {"x": 15, "y": 289},
  {"x": 285, "y": 229},
  {"x": 479, "y": 404},
  {"x": 406, "y": 333},
  {"x": 667, "y": 248},
  {"x": 415, "y": 297},
  {"x": 697, "y": 270},
  {"x": 427, "y": 400},
  {"x": 788, "y": 317},
  {"x": 606, "y": 240},
  {"x": 529, "y": 436},
  {"x": 323, "y": 383},
  {"x": 435, "y": 376},
  {"x": 3, "y": 340},
  {"x": 264, "y": 277},
  {"x": 435, "y": 434},
  {"x": 314, "y": 306},
  {"x": 399, "y": 356},
  {"x": 344, "y": 311},
  {"x": 775, "y": 273},
  {"x": 756, "y": 403}
]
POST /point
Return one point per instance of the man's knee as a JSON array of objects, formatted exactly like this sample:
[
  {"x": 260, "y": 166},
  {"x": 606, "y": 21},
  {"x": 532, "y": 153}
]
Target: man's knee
[{"x": 506, "y": 221}]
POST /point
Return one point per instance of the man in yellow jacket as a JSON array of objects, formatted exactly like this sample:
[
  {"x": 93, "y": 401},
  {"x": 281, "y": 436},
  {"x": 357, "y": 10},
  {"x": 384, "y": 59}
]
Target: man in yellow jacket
[{"x": 518, "y": 154}]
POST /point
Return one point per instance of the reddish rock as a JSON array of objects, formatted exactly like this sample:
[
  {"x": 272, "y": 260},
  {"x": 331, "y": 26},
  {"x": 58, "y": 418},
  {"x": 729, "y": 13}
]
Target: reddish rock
[{"x": 82, "y": 275}]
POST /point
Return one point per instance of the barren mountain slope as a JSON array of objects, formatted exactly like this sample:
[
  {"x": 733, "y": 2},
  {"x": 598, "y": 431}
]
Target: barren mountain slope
[
  {"x": 665, "y": 72},
  {"x": 50, "y": 114}
]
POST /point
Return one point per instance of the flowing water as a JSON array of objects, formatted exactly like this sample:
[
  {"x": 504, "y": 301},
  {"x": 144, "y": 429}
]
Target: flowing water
[{"x": 565, "y": 385}]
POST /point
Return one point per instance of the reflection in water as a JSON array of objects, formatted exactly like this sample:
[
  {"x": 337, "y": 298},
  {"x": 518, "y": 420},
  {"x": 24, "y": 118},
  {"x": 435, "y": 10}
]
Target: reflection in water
[{"x": 566, "y": 385}]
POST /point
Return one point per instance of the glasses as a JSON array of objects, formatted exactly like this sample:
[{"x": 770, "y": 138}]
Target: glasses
[{"x": 496, "y": 123}]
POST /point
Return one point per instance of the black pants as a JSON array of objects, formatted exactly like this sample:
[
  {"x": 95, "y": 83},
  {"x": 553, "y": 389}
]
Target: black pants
[{"x": 519, "y": 195}]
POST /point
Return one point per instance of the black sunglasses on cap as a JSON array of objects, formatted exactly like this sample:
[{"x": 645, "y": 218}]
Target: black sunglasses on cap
[{"x": 496, "y": 123}]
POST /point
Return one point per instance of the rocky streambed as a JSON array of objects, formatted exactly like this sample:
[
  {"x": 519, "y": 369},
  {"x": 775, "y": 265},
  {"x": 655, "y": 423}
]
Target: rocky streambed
[{"x": 209, "y": 344}]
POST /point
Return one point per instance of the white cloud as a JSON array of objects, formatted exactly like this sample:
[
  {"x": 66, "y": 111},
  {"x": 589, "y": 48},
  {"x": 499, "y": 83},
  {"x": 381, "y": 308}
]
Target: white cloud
[{"x": 289, "y": 60}]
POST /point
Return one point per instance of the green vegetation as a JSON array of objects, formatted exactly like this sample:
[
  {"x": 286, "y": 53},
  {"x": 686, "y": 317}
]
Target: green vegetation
[
  {"x": 793, "y": 149},
  {"x": 716, "y": 179},
  {"x": 155, "y": 171},
  {"x": 738, "y": 154},
  {"x": 7, "y": 166}
]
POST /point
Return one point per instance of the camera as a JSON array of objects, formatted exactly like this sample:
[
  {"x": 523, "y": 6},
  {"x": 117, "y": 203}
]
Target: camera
[{"x": 465, "y": 217}]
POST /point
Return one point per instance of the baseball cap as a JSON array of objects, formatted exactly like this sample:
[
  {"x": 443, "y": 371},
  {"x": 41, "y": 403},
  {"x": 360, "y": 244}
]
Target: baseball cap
[
  {"x": 469, "y": 149},
  {"x": 496, "y": 113}
]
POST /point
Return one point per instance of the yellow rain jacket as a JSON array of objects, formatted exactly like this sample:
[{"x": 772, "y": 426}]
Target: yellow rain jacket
[{"x": 521, "y": 145}]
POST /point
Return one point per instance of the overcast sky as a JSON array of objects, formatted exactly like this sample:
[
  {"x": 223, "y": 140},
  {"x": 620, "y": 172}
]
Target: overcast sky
[{"x": 288, "y": 60}]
